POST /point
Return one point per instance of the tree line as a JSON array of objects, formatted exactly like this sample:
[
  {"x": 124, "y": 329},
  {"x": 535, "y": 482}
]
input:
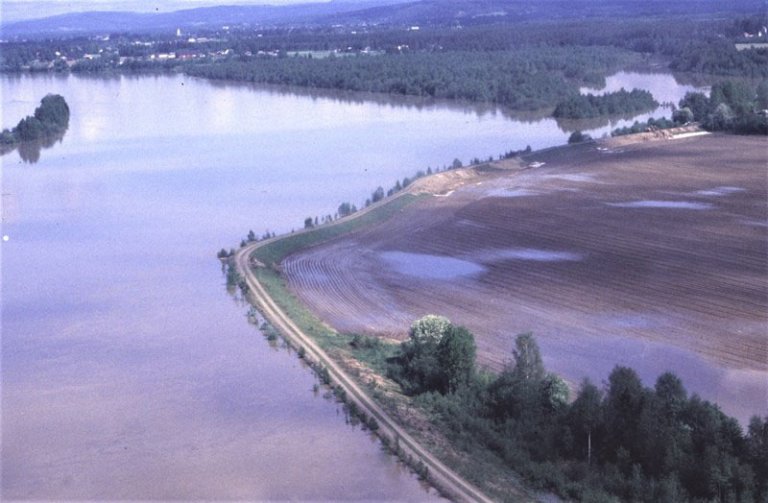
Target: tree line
[
  {"x": 526, "y": 78},
  {"x": 622, "y": 440}
]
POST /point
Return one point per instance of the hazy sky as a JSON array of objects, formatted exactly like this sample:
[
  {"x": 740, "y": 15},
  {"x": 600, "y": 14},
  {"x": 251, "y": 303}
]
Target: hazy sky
[{"x": 15, "y": 10}]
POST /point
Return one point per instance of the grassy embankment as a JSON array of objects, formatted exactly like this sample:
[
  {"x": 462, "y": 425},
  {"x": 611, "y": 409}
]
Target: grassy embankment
[
  {"x": 335, "y": 344},
  {"x": 365, "y": 358},
  {"x": 271, "y": 254}
]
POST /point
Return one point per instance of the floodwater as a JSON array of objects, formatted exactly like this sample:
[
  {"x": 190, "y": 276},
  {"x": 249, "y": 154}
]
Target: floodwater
[
  {"x": 663, "y": 86},
  {"x": 647, "y": 357},
  {"x": 426, "y": 266},
  {"x": 128, "y": 371}
]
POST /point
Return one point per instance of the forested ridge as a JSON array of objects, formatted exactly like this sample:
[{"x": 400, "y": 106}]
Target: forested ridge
[{"x": 621, "y": 440}]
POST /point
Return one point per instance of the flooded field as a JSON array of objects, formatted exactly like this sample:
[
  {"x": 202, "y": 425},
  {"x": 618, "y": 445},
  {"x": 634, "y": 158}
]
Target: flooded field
[
  {"x": 128, "y": 371},
  {"x": 429, "y": 266},
  {"x": 606, "y": 264}
]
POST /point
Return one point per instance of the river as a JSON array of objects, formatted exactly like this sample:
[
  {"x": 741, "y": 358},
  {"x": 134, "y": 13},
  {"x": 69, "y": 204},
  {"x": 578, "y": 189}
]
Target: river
[{"x": 128, "y": 372}]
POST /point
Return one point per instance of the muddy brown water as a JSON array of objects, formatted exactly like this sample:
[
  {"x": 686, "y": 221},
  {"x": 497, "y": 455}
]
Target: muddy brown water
[{"x": 128, "y": 372}]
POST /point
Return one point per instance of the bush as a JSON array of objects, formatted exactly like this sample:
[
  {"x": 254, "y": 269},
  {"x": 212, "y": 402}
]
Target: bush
[{"x": 578, "y": 137}]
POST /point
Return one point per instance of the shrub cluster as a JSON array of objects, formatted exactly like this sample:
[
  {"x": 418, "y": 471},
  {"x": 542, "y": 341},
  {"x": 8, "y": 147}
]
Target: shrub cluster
[{"x": 731, "y": 106}]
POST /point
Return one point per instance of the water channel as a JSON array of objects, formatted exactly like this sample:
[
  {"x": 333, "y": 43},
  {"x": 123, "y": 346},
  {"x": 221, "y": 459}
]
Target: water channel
[{"x": 128, "y": 372}]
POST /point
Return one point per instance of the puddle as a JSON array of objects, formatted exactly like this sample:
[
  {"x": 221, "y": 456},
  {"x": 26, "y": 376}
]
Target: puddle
[
  {"x": 531, "y": 254},
  {"x": 672, "y": 205},
  {"x": 430, "y": 266},
  {"x": 719, "y": 191}
]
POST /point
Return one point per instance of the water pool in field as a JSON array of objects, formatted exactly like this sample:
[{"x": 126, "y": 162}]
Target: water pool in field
[{"x": 430, "y": 266}]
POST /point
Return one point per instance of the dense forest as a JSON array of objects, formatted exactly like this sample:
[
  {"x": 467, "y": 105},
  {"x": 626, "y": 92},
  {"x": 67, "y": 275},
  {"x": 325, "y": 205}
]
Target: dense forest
[
  {"x": 623, "y": 440},
  {"x": 50, "y": 119},
  {"x": 523, "y": 64},
  {"x": 525, "y": 79}
]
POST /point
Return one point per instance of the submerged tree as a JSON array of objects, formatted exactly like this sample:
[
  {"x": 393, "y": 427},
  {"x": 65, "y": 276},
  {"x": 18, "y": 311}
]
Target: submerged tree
[{"x": 50, "y": 120}]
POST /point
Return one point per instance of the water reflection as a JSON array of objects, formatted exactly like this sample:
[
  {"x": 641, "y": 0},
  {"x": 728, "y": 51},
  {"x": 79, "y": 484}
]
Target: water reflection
[
  {"x": 389, "y": 100},
  {"x": 596, "y": 123},
  {"x": 29, "y": 151}
]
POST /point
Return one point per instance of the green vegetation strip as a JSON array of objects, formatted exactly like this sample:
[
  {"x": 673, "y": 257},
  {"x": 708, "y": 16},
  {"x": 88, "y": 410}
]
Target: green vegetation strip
[
  {"x": 368, "y": 350},
  {"x": 272, "y": 253}
]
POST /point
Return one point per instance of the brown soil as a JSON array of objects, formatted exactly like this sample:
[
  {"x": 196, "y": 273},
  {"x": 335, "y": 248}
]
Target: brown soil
[{"x": 677, "y": 278}]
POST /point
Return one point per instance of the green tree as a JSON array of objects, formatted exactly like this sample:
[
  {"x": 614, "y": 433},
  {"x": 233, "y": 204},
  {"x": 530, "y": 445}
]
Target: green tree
[
  {"x": 528, "y": 365},
  {"x": 586, "y": 414},
  {"x": 456, "y": 356},
  {"x": 420, "y": 353},
  {"x": 518, "y": 389},
  {"x": 346, "y": 209},
  {"x": 578, "y": 137},
  {"x": 554, "y": 392},
  {"x": 671, "y": 395},
  {"x": 683, "y": 115},
  {"x": 53, "y": 113},
  {"x": 762, "y": 95},
  {"x": 429, "y": 330},
  {"x": 624, "y": 403},
  {"x": 30, "y": 128},
  {"x": 377, "y": 195},
  {"x": 698, "y": 104},
  {"x": 739, "y": 96},
  {"x": 722, "y": 118},
  {"x": 757, "y": 451}
]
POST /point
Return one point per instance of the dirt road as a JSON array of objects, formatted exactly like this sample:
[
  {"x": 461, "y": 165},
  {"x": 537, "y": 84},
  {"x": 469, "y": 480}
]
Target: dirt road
[{"x": 441, "y": 476}]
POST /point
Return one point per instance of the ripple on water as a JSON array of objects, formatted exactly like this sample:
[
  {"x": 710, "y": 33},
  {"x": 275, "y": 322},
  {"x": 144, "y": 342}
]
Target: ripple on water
[
  {"x": 671, "y": 205},
  {"x": 430, "y": 266}
]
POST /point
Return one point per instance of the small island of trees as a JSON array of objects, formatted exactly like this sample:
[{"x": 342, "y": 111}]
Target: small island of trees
[
  {"x": 619, "y": 103},
  {"x": 50, "y": 120}
]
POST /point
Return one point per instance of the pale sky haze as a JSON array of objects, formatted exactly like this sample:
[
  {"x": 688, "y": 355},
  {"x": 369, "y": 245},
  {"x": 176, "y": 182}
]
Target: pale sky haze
[{"x": 17, "y": 10}]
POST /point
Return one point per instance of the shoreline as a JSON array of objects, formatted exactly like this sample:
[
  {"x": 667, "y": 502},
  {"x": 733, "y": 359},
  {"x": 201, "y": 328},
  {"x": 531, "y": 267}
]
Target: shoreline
[
  {"x": 438, "y": 185},
  {"x": 388, "y": 430}
]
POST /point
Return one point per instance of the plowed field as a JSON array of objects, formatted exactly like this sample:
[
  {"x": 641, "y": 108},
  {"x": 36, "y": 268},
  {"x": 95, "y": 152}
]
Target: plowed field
[{"x": 652, "y": 255}]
